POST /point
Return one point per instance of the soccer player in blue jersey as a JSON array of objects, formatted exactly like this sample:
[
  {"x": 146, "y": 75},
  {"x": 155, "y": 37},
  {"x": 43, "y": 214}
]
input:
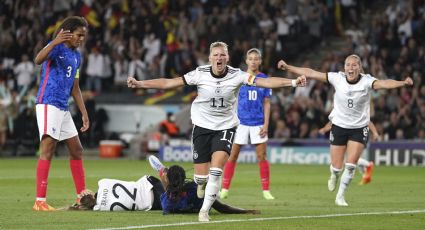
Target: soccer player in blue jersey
[
  {"x": 173, "y": 193},
  {"x": 253, "y": 114},
  {"x": 59, "y": 80},
  {"x": 180, "y": 194}
]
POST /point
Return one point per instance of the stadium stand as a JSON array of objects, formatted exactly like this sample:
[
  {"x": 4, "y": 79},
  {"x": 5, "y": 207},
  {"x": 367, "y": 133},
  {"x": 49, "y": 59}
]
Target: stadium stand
[{"x": 148, "y": 39}]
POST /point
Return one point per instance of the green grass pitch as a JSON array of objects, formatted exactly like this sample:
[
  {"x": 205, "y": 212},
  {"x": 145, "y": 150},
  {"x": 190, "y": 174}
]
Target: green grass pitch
[{"x": 302, "y": 200}]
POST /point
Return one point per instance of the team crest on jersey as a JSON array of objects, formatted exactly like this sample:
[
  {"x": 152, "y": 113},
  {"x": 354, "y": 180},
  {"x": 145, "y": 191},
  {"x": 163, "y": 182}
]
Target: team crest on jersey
[{"x": 218, "y": 90}]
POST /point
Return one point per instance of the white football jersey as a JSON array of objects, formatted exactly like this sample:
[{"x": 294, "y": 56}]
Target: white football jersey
[
  {"x": 117, "y": 195},
  {"x": 215, "y": 106},
  {"x": 351, "y": 101}
]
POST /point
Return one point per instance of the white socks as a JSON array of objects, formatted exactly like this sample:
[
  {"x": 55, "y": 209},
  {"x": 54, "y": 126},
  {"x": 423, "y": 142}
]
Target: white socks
[
  {"x": 346, "y": 178},
  {"x": 212, "y": 189},
  {"x": 200, "y": 179},
  {"x": 335, "y": 171},
  {"x": 362, "y": 164}
]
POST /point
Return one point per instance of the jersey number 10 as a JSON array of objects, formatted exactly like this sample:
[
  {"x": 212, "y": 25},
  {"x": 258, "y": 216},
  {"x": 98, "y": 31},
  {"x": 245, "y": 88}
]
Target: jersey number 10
[{"x": 252, "y": 95}]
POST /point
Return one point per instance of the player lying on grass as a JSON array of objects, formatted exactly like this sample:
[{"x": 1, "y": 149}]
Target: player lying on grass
[{"x": 148, "y": 193}]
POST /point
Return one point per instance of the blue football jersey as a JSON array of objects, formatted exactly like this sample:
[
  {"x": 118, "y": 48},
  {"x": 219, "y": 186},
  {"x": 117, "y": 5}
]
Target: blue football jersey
[
  {"x": 250, "y": 103},
  {"x": 188, "y": 202},
  {"x": 57, "y": 76}
]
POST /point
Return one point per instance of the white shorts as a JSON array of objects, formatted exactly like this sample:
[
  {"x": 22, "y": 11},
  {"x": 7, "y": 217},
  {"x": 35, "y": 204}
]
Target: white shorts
[
  {"x": 55, "y": 122},
  {"x": 249, "y": 135}
]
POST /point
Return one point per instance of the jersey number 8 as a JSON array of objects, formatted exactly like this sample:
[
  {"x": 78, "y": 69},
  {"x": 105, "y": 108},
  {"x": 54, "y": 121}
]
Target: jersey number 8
[{"x": 350, "y": 103}]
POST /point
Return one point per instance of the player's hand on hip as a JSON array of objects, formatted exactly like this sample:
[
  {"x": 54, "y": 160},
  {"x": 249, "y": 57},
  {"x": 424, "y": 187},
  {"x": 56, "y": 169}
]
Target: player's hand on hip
[
  {"x": 62, "y": 36},
  {"x": 86, "y": 124},
  {"x": 376, "y": 137},
  {"x": 408, "y": 81},
  {"x": 301, "y": 81},
  {"x": 282, "y": 65},
  {"x": 263, "y": 132}
]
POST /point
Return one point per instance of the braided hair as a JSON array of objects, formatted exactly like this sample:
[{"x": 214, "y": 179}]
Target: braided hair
[{"x": 176, "y": 182}]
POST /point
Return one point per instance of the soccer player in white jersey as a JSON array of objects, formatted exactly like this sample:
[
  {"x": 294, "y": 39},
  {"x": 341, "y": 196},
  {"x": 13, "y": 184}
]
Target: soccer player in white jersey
[
  {"x": 213, "y": 115},
  {"x": 350, "y": 116},
  {"x": 364, "y": 166},
  {"x": 254, "y": 114}
]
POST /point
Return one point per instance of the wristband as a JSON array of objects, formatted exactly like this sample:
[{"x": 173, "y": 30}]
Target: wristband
[{"x": 294, "y": 83}]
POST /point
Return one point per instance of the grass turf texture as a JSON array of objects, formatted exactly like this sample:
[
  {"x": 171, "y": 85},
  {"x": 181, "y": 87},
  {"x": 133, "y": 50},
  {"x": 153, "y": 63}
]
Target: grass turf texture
[{"x": 300, "y": 190}]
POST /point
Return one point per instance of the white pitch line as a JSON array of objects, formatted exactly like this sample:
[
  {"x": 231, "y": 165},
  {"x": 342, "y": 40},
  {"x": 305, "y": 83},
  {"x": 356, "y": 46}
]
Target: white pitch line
[{"x": 264, "y": 219}]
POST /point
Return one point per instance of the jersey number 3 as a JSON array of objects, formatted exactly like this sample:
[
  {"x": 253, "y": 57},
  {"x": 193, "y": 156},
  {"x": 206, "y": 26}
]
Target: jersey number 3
[
  {"x": 68, "y": 71},
  {"x": 132, "y": 196}
]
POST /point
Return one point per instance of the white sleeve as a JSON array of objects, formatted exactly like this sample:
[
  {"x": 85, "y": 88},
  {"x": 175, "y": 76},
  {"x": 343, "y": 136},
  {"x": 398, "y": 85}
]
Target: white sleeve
[
  {"x": 192, "y": 78},
  {"x": 333, "y": 77},
  {"x": 370, "y": 80}
]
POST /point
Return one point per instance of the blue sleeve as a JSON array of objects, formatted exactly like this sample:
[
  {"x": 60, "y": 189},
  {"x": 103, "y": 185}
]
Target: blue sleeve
[
  {"x": 79, "y": 59},
  {"x": 268, "y": 93},
  {"x": 54, "y": 53},
  {"x": 165, "y": 204}
]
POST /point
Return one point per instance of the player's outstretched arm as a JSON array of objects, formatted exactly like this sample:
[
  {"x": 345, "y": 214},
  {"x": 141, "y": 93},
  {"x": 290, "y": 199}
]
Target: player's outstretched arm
[
  {"x": 391, "y": 84},
  {"x": 227, "y": 209},
  {"x": 160, "y": 83},
  {"x": 309, "y": 73},
  {"x": 63, "y": 36},
  {"x": 278, "y": 82}
]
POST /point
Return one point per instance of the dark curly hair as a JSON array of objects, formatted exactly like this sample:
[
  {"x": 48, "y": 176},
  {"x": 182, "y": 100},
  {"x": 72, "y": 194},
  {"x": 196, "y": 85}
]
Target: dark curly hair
[
  {"x": 177, "y": 182},
  {"x": 72, "y": 23}
]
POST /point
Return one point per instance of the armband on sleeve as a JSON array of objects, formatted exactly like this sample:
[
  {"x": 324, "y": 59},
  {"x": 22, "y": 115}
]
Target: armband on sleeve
[
  {"x": 77, "y": 74},
  {"x": 251, "y": 80}
]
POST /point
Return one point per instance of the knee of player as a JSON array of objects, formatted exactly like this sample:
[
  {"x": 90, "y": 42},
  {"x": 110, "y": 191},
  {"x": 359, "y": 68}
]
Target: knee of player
[{"x": 77, "y": 152}]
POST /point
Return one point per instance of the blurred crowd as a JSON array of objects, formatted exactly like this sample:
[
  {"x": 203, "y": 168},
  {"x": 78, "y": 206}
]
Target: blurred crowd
[
  {"x": 147, "y": 39},
  {"x": 391, "y": 45}
]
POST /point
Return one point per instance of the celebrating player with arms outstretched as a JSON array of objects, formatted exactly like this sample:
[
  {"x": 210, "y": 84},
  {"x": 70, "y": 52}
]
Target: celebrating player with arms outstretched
[
  {"x": 350, "y": 116},
  {"x": 59, "y": 80},
  {"x": 213, "y": 115},
  {"x": 253, "y": 113}
]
